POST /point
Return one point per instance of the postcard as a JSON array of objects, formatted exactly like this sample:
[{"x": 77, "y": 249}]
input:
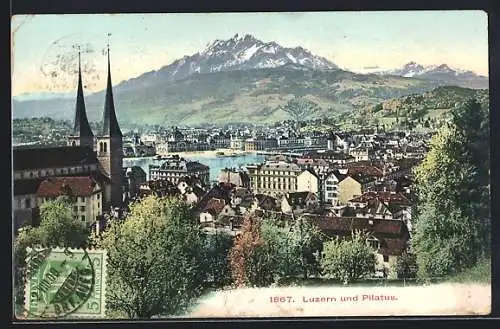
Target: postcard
[{"x": 236, "y": 165}]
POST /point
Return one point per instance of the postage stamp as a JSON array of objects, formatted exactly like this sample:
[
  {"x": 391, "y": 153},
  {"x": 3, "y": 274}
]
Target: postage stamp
[{"x": 65, "y": 283}]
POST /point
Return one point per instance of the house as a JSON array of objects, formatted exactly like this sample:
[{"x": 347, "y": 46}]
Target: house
[
  {"x": 85, "y": 192},
  {"x": 299, "y": 202},
  {"x": 265, "y": 203},
  {"x": 174, "y": 168},
  {"x": 308, "y": 181},
  {"x": 212, "y": 209},
  {"x": 353, "y": 185},
  {"x": 237, "y": 178},
  {"x": 389, "y": 238},
  {"x": 160, "y": 188},
  {"x": 387, "y": 205},
  {"x": 330, "y": 186}
]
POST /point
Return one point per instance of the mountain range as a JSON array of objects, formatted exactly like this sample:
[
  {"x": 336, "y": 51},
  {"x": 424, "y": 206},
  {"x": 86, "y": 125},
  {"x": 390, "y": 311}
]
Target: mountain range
[{"x": 245, "y": 79}]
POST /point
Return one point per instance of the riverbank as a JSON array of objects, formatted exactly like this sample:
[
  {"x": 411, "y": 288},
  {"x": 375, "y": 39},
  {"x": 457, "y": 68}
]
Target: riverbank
[
  {"x": 207, "y": 154},
  {"x": 434, "y": 299}
]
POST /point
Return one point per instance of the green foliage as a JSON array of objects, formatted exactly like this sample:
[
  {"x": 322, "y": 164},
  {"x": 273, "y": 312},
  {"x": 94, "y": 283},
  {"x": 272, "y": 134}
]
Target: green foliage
[
  {"x": 155, "y": 259},
  {"x": 481, "y": 272},
  {"x": 348, "y": 260},
  {"x": 217, "y": 258},
  {"x": 404, "y": 266},
  {"x": 452, "y": 227},
  {"x": 267, "y": 252}
]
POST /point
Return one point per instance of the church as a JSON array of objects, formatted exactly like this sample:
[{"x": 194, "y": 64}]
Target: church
[{"x": 90, "y": 167}]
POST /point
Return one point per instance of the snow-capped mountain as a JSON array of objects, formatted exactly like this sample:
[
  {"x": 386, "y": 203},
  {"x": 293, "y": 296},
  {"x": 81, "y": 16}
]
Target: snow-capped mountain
[
  {"x": 442, "y": 72},
  {"x": 413, "y": 69},
  {"x": 241, "y": 52}
]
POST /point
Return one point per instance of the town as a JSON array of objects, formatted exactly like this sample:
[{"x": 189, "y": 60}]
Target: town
[{"x": 342, "y": 181}]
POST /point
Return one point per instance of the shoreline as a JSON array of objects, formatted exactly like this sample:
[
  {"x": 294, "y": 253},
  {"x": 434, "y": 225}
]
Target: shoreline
[
  {"x": 208, "y": 153},
  {"x": 204, "y": 154}
]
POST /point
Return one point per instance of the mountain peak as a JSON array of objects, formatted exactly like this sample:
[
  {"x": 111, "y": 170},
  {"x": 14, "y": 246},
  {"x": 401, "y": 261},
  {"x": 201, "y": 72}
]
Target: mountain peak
[
  {"x": 242, "y": 52},
  {"x": 433, "y": 72}
]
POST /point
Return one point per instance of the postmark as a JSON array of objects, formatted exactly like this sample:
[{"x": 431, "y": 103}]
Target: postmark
[{"x": 65, "y": 283}]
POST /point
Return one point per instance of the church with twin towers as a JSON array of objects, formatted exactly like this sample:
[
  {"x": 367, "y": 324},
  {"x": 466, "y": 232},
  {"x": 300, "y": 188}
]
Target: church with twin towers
[{"x": 106, "y": 143}]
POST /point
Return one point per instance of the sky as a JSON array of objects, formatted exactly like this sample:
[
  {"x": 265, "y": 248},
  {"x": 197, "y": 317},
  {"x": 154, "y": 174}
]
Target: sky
[{"x": 44, "y": 58}]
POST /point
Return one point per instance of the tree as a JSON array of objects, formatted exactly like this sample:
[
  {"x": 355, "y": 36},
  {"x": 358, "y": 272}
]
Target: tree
[
  {"x": 247, "y": 267},
  {"x": 404, "y": 266},
  {"x": 58, "y": 228},
  {"x": 452, "y": 226},
  {"x": 348, "y": 260},
  {"x": 217, "y": 257},
  {"x": 268, "y": 251},
  {"x": 308, "y": 236},
  {"x": 155, "y": 259}
]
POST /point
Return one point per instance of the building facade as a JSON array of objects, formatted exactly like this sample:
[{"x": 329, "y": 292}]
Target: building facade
[
  {"x": 274, "y": 178},
  {"x": 175, "y": 168}
]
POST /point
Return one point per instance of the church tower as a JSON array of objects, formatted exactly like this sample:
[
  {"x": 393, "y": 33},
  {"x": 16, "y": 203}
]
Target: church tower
[
  {"x": 109, "y": 148},
  {"x": 82, "y": 133}
]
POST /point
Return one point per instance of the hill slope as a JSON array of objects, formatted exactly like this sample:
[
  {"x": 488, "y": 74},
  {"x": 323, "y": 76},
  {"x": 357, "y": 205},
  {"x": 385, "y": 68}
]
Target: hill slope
[{"x": 236, "y": 96}]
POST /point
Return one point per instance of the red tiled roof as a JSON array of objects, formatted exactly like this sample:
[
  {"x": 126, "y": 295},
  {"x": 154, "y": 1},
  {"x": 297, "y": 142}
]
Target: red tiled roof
[
  {"x": 386, "y": 197},
  {"x": 345, "y": 225},
  {"x": 366, "y": 170},
  {"x": 214, "y": 206},
  {"x": 56, "y": 186}
]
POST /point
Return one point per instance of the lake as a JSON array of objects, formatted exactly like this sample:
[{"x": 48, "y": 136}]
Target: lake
[{"x": 215, "y": 163}]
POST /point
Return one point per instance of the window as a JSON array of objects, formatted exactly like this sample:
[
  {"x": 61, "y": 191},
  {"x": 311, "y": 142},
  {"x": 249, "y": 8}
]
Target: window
[
  {"x": 83, "y": 218},
  {"x": 98, "y": 205},
  {"x": 75, "y": 208},
  {"x": 386, "y": 258},
  {"x": 31, "y": 175},
  {"x": 105, "y": 147},
  {"x": 82, "y": 208},
  {"x": 83, "y": 199},
  {"x": 27, "y": 203}
]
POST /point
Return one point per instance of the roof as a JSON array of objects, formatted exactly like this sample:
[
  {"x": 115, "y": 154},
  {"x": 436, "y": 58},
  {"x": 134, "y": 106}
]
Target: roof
[
  {"x": 360, "y": 178},
  {"x": 26, "y": 186},
  {"x": 366, "y": 170},
  {"x": 52, "y": 157},
  {"x": 381, "y": 228},
  {"x": 214, "y": 206},
  {"x": 135, "y": 171},
  {"x": 56, "y": 186},
  {"x": 280, "y": 165},
  {"x": 110, "y": 125},
  {"x": 296, "y": 198},
  {"x": 81, "y": 125},
  {"x": 386, "y": 197}
]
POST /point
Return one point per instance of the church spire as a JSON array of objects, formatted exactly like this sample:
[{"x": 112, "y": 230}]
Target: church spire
[
  {"x": 81, "y": 127},
  {"x": 110, "y": 123}
]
